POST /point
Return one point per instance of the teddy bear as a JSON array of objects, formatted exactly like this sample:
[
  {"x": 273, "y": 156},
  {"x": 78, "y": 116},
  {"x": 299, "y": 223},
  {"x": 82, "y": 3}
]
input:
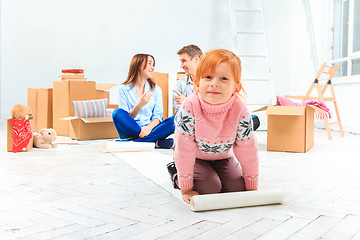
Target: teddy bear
[
  {"x": 45, "y": 138},
  {"x": 20, "y": 111}
]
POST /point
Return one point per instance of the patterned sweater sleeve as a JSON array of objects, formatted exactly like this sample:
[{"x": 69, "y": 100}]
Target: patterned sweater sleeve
[
  {"x": 185, "y": 147},
  {"x": 245, "y": 150}
]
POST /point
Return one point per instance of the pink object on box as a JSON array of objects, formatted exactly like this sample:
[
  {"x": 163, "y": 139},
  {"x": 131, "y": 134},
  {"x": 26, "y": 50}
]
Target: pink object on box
[{"x": 283, "y": 101}]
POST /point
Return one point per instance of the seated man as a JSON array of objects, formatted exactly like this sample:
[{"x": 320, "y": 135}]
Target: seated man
[{"x": 189, "y": 59}]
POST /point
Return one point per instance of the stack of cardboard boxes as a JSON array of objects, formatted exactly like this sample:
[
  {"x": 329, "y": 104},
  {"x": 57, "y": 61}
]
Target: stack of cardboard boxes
[
  {"x": 53, "y": 107},
  {"x": 64, "y": 121}
]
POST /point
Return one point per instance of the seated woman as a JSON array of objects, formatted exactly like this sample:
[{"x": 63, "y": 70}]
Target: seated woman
[{"x": 139, "y": 116}]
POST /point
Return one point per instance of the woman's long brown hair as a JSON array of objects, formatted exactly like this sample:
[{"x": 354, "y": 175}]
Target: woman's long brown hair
[{"x": 139, "y": 61}]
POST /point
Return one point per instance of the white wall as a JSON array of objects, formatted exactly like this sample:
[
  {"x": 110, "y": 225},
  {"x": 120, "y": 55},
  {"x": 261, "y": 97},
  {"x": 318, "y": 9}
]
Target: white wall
[
  {"x": 309, "y": 42},
  {"x": 41, "y": 37},
  {"x": 278, "y": 26}
]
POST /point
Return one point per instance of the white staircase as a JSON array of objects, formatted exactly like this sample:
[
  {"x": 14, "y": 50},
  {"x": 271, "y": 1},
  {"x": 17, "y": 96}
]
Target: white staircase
[{"x": 247, "y": 24}]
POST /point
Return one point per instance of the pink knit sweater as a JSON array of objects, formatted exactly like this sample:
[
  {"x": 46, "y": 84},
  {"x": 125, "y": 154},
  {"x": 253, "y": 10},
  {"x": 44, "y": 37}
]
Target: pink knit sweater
[{"x": 214, "y": 132}]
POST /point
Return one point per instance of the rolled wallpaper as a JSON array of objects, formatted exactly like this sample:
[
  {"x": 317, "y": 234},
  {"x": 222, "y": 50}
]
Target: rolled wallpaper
[
  {"x": 114, "y": 146},
  {"x": 236, "y": 199}
]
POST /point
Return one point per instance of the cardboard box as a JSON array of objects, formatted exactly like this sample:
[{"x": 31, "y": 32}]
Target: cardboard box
[
  {"x": 91, "y": 128},
  {"x": 162, "y": 79},
  {"x": 41, "y": 102},
  {"x": 180, "y": 75},
  {"x": 290, "y": 128},
  {"x": 101, "y": 92},
  {"x": 64, "y": 92},
  {"x": 10, "y": 139}
]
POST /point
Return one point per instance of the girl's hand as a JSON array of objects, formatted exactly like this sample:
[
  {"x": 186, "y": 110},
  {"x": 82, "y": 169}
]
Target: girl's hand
[
  {"x": 145, "y": 98},
  {"x": 146, "y": 130},
  {"x": 187, "y": 194}
]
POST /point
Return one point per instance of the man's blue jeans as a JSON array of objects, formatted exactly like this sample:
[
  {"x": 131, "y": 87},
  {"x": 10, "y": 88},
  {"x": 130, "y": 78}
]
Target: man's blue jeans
[{"x": 128, "y": 128}]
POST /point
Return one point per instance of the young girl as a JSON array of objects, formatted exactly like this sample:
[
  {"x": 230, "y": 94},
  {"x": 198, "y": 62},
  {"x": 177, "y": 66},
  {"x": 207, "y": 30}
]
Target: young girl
[
  {"x": 139, "y": 116},
  {"x": 213, "y": 132}
]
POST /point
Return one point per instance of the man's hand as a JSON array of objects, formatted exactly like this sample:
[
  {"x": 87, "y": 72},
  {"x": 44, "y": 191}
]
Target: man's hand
[
  {"x": 179, "y": 98},
  {"x": 187, "y": 194}
]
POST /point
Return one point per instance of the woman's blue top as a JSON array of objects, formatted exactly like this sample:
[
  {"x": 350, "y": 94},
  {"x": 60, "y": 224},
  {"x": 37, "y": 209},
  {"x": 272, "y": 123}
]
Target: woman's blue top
[{"x": 153, "y": 109}]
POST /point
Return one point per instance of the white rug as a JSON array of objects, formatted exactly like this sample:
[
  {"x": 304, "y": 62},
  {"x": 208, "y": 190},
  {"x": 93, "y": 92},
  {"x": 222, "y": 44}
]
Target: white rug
[{"x": 152, "y": 164}]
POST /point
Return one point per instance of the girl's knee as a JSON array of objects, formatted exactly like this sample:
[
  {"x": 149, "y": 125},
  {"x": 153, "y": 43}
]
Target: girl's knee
[
  {"x": 208, "y": 185},
  {"x": 234, "y": 185}
]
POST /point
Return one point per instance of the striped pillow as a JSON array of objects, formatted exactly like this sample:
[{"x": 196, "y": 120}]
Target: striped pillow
[{"x": 91, "y": 108}]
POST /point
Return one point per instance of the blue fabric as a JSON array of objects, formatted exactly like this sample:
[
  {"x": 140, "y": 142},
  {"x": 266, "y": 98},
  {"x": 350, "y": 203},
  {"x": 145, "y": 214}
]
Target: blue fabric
[
  {"x": 255, "y": 122},
  {"x": 165, "y": 143},
  {"x": 127, "y": 99},
  {"x": 128, "y": 128}
]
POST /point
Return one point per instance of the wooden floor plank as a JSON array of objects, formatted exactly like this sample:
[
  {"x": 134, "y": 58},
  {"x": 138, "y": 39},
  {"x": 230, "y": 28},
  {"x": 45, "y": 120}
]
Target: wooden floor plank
[
  {"x": 346, "y": 229},
  {"x": 224, "y": 230},
  {"x": 316, "y": 229},
  {"x": 191, "y": 231},
  {"x": 255, "y": 230},
  {"x": 53, "y": 233},
  {"x": 93, "y": 232},
  {"x": 285, "y": 229}
]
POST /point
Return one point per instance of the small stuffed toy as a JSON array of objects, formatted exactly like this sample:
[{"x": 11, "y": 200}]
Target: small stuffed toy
[
  {"x": 20, "y": 111},
  {"x": 45, "y": 138}
]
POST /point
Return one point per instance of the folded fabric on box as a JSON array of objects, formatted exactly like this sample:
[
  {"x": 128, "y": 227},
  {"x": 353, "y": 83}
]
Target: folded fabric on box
[
  {"x": 90, "y": 108},
  {"x": 72, "y": 71},
  {"x": 283, "y": 101}
]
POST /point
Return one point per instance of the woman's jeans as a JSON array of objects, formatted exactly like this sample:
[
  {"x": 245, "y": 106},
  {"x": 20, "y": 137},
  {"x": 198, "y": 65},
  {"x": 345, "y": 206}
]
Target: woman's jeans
[{"x": 127, "y": 127}]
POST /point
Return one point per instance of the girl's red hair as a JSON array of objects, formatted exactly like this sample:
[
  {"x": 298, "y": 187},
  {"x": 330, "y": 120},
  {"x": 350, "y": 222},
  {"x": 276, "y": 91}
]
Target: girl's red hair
[{"x": 213, "y": 58}]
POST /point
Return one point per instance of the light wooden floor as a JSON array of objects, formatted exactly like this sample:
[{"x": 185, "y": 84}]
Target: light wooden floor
[{"x": 78, "y": 192}]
